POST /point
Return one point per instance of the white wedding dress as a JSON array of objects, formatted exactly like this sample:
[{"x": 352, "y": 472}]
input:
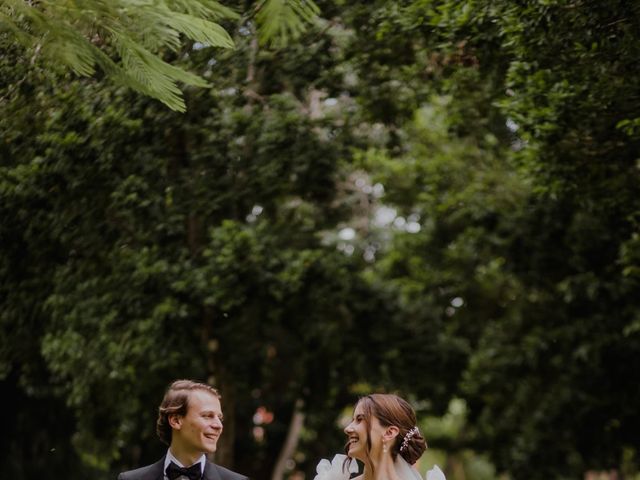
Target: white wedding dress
[{"x": 333, "y": 470}]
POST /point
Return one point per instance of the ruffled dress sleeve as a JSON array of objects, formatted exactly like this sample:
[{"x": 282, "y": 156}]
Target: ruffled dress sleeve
[
  {"x": 435, "y": 474},
  {"x": 334, "y": 469}
]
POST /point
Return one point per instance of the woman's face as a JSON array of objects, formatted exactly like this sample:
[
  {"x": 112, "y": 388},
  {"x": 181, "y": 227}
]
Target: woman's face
[{"x": 357, "y": 433}]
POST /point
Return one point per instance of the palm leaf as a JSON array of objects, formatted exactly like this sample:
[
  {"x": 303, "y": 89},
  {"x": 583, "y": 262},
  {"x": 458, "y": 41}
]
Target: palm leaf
[
  {"x": 67, "y": 29},
  {"x": 208, "y": 9},
  {"x": 280, "y": 21},
  {"x": 152, "y": 75},
  {"x": 200, "y": 30}
]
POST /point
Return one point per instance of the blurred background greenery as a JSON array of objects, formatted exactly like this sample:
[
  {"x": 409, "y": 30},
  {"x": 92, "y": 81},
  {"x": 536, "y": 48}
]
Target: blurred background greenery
[{"x": 438, "y": 198}]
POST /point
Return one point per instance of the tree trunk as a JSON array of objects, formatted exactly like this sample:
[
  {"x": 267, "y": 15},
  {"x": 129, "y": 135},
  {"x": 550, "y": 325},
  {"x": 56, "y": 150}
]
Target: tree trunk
[
  {"x": 224, "y": 453},
  {"x": 290, "y": 444}
]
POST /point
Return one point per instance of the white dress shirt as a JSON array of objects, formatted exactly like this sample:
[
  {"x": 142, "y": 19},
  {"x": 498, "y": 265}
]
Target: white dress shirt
[{"x": 170, "y": 458}]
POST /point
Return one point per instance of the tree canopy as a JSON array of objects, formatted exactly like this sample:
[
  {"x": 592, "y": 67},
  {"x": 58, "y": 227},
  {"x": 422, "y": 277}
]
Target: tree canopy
[
  {"x": 433, "y": 197},
  {"x": 134, "y": 43}
]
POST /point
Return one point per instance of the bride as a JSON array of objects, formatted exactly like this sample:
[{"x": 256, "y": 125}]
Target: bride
[{"x": 384, "y": 436}]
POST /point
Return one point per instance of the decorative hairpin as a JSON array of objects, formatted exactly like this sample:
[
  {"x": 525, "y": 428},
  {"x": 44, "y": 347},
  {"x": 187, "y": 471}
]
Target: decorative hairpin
[{"x": 407, "y": 438}]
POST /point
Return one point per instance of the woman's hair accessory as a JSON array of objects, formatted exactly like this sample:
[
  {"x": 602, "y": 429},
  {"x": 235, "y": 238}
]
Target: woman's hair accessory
[{"x": 407, "y": 438}]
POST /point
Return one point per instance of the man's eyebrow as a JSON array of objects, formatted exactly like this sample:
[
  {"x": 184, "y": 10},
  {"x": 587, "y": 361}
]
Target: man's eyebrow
[{"x": 203, "y": 412}]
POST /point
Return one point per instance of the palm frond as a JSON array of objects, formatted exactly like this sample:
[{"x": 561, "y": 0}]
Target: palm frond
[
  {"x": 7, "y": 23},
  {"x": 71, "y": 31},
  {"x": 200, "y": 30},
  {"x": 209, "y": 9},
  {"x": 280, "y": 21},
  {"x": 152, "y": 75}
]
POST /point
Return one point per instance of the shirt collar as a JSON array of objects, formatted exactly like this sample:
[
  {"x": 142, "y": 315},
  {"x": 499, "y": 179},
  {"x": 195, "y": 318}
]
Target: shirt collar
[{"x": 170, "y": 458}]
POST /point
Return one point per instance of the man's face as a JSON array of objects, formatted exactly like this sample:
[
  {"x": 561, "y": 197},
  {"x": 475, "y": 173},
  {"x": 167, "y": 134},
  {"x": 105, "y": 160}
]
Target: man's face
[{"x": 198, "y": 431}]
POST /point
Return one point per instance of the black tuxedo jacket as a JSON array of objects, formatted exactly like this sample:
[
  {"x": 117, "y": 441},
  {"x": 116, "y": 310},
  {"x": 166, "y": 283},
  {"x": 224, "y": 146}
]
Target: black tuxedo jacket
[{"x": 154, "y": 472}]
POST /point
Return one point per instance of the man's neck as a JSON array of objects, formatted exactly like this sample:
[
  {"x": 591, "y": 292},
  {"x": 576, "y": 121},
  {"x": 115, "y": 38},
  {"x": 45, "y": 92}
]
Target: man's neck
[{"x": 186, "y": 458}]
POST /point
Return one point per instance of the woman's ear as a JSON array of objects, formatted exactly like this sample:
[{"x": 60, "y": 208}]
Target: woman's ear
[{"x": 391, "y": 432}]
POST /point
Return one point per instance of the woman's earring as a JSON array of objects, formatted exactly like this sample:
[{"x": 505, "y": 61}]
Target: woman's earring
[{"x": 384, "y": 446}]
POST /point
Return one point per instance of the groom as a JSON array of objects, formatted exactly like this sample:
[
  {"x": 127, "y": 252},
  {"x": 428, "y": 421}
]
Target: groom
[{"x": 190, "y": 422}]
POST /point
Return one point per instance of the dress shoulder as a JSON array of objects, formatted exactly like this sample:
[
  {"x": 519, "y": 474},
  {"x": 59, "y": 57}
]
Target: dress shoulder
[{"x": 336, "y": 469}]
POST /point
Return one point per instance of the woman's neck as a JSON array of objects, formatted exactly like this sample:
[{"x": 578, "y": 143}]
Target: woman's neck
[{"x": 380, "y": 470}]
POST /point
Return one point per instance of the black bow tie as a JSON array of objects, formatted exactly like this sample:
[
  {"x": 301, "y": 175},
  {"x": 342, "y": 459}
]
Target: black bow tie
[{"x": 194, "y": 472}]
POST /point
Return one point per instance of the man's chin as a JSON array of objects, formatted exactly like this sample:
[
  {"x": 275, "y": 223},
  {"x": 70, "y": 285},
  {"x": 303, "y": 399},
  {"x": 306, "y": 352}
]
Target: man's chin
[{"x": 211, "y": 448}]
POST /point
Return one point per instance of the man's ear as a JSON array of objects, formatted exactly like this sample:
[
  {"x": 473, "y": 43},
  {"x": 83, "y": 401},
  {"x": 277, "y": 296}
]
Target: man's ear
[
  {"x": 391, "y": 432},
  {"x": 175, "y": 421}
]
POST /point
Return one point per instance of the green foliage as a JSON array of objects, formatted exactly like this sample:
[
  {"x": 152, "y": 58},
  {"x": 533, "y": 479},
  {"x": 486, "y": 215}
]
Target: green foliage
[
  {"x": 539, "y": 245},
  {"x": 108, "y": 35},
  {"x": 282, "y": 21},
  {"x": 438, "y": 198},
  {"x": 171, "y": 246},
  {"x": 129, "y": 41}
]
